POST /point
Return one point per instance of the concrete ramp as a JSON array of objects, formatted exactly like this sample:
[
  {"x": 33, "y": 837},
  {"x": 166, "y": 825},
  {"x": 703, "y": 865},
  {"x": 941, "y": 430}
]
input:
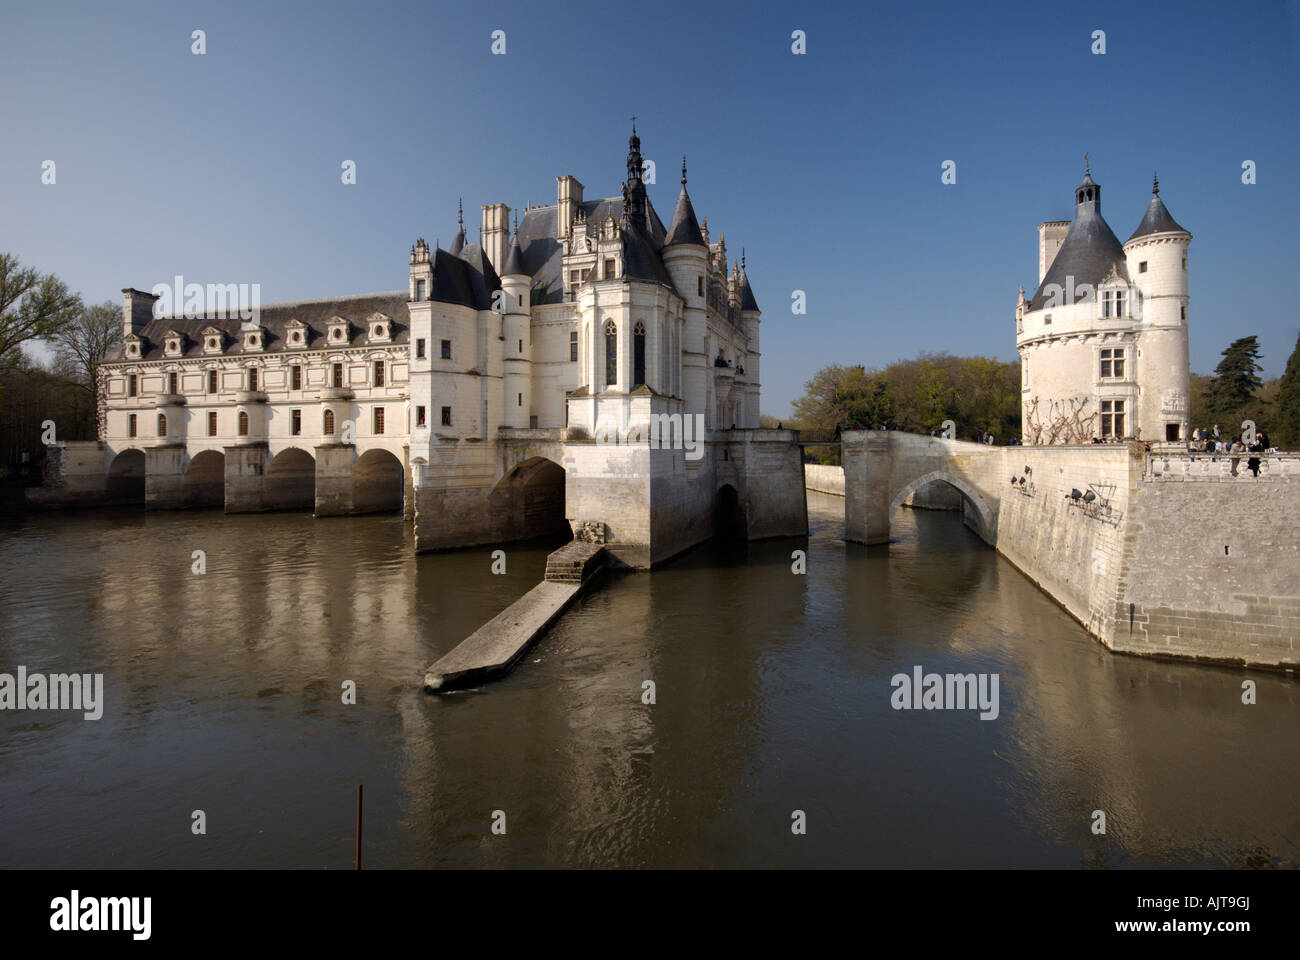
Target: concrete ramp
[{"x": 494, "y": 648}]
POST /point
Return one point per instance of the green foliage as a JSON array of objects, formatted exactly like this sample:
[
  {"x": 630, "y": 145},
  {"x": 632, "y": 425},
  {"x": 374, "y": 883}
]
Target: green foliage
[
  {"x": 32, "y": 306},
  {"x": 979, "y": 394},
  {"x": 1235, "y": 381},
  {"x": 1287, "y": 411}
]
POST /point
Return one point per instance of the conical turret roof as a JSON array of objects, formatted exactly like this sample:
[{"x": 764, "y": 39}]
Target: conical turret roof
[
  {"x": 1157, "y": 218},
  {"x": 684, "y": 228}
]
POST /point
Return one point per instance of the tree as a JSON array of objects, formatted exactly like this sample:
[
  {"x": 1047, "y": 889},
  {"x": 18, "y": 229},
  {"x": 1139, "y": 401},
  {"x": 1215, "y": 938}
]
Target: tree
[
  {"x": 86, "y": 341},
  {"x": 32, "y": 306},
  {"x": 1287, "y": 416},
  {"x": 1236, "y": 379}
]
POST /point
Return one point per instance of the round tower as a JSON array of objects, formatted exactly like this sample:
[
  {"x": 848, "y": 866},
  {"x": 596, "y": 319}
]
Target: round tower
[
  {"x": 516, "y": 329},
  {"x": 1156, "y": 257},
  {"x": 686, "y": 257}
]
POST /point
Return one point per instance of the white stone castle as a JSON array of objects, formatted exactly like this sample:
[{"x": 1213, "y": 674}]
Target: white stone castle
[
  {"x": 1103, "y": 342},
  {"x": 596, "y": 372}
]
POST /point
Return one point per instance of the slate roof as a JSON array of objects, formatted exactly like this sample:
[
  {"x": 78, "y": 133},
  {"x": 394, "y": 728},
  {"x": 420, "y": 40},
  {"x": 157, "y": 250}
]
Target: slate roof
[
  {"x": 747, "y": 301},
  {"x": 274, "y": 319},
  {"x": 684, "y": 228},
  {"x": 543, "y": 257},
  {"x": 1157, "y": 220},
  {"x": 1089, "y": 253},
  {"x": 514, "y": 261}
]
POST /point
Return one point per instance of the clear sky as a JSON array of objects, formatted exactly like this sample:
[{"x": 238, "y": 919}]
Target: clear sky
[{"x": 825, "y": 167}]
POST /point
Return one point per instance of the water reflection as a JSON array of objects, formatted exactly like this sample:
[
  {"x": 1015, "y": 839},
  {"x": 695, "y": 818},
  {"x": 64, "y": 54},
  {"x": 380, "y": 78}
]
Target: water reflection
[{"x": 772, "y": 695}]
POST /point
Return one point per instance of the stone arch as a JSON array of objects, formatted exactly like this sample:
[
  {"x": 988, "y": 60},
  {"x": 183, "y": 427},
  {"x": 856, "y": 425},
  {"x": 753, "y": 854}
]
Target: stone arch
[
  {"x": 532, "y": 497},
  {"x": 126, "y": 476},
  {"x": 290, "y": 482},
  {"x": 204, "y": 483},
  {"x": 378, "y": 482},
  {"x": 984, "y": 514},
  {"x": 728, "y": 514}
]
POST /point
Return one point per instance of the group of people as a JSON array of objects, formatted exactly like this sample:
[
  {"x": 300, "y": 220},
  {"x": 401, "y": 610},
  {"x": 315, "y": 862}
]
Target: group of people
[{"x": 1214, "y": 441}]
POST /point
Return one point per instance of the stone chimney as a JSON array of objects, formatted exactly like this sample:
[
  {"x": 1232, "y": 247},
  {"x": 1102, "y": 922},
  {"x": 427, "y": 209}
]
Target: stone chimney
[
  {"x": 1051, "y": 234},
  {"x": 568, "y": 196},
  {"x": 137, "y": 310},
  {"x": 496, "y": 234}
]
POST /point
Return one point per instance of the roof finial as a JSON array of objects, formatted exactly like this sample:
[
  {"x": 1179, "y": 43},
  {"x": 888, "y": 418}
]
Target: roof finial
[
  {"x": 683, "y": 169},
  {"x": 1155, "y": 184},
  {"x": 742, "y": 259},
  {"x": 1087, "y": 167},
  {"x": 634, "y": 124},
  {"x": 516, "y": 223},
  {"x": 460, "y": 212}
]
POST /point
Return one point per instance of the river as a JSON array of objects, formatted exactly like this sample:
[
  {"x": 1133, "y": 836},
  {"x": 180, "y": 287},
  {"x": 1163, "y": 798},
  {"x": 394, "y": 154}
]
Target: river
[{"x": 224, "y": 693}]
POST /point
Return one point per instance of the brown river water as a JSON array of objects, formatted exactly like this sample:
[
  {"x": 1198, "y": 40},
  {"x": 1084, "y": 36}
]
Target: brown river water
[{"x": 223, "y": 693}]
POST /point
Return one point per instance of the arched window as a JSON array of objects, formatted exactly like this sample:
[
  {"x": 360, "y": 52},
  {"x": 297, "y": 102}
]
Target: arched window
[
  {"x": 162, "y": 425},
  {"x": 611, "y": 354},
  {"x": 329, "y": 423},
  {"x": 243, "y": 423},
  {"x": 638, "y": 355}
]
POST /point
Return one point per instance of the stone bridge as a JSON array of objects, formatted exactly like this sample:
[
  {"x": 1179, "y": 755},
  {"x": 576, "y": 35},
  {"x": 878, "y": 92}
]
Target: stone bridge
[{"x": 883, "y": 467}]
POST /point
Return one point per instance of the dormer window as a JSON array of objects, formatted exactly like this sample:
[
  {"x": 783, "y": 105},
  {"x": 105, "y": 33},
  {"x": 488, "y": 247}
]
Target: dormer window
[
  {"x": 381, "y": 328},
  {"x": 254, "y": 339},
  {"x": 1112, "y": 303},
  {"x": 214, "y": 340},
  {"x": 173, "y": 343},
  {"x": 132, "y": 347},
  {"x": 338, "y": 330},
  {"x": 295, "y": 334}
]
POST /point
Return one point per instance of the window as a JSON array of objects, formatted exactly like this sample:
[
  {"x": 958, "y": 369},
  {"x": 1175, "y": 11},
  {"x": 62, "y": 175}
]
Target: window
[
  {"x": 379, "y": 420},
  {"x": 573, "y": 346},
  {"x": 638, "y": 355},
  {"x": 1047, "y": 319},
  {"x": 1172, "y": 432},
  {"x": 295, "y": 377},
  {"x": 521, "y": 346},
  {"x": 212, "y": 381},
  {"x": 699, "y": 286},
  {"x": 379, "y": 373},
  {"x": 328, "y": 428},
  {"x": 1142, "y": 267},
  {"x": 172, "y": 383},
  {"x": 1107, "y": 303},
  {"x": 295, "y": 422},
  {"x": 446, "y": 349},
  {"x": 243, "y": 424},
  {"x": 212, "y": 423},
  {"x": 1119, "y": 303},
  {"x": 419, "y": 416},
  {"x": 1184, "y": 263},
  {"x": 609, "y": 269},
  {"x": 419, "y": 289},
  {"x": 1182, "y": 313},
  {"x": 130, "y": 425},
  {"x": 1112, "y": 418},
  {"x": 162, "y": 425},
  {"x": 1112, "y": 362},
  {"x": 252, "y": 378},
  {"x": 446, "y": 416},
  {"x": 611, "y": 354},
  {"x": 521, "y": 400},
  {"x": 338, "y": 376},
  {"x": 132, "y": 385},
  {"x": 419, "y": 349}
]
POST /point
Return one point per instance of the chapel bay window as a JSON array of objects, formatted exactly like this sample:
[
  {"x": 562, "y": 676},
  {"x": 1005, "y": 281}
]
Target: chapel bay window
[
  {"x": 328, "y": 424},
  {"x": 1112, "y": 418},
  {"x": 638, "y": 355},
  {"x": 611, "y": 354}
]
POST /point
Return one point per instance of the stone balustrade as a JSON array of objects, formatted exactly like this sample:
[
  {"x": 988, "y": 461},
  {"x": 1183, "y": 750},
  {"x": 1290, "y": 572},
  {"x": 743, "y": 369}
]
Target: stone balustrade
[{"x": 1274, "y": 467}]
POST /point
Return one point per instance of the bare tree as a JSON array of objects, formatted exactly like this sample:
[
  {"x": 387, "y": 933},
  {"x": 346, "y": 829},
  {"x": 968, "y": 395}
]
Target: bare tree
[
  {"x": 84, "y": 343},
  {"x": 1065, "y": 421},
  {"x": 32, "y": 306}
]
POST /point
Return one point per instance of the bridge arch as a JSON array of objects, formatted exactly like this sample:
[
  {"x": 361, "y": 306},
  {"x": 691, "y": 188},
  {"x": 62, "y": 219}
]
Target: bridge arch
[
  {"x": 204, "y": 482},
  {"x": 532, "y": 496},
  {"x": 378, "y": 482},
  {"x": 126, "y": 476},
  {"x": 985, "y": 516},
  {"x": 290, "y": 482}
]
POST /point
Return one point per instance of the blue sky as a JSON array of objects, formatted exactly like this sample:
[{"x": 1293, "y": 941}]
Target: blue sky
[{"x": 824, "y": 167}]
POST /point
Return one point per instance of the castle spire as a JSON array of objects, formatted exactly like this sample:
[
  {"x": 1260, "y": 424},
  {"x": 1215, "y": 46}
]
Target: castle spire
[
  {"x": 684, "y": 228},
  {"x": 458, "y": 242},
  {"x": 634, "y": 202},
  {"x": 1155, "y": 184}
]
